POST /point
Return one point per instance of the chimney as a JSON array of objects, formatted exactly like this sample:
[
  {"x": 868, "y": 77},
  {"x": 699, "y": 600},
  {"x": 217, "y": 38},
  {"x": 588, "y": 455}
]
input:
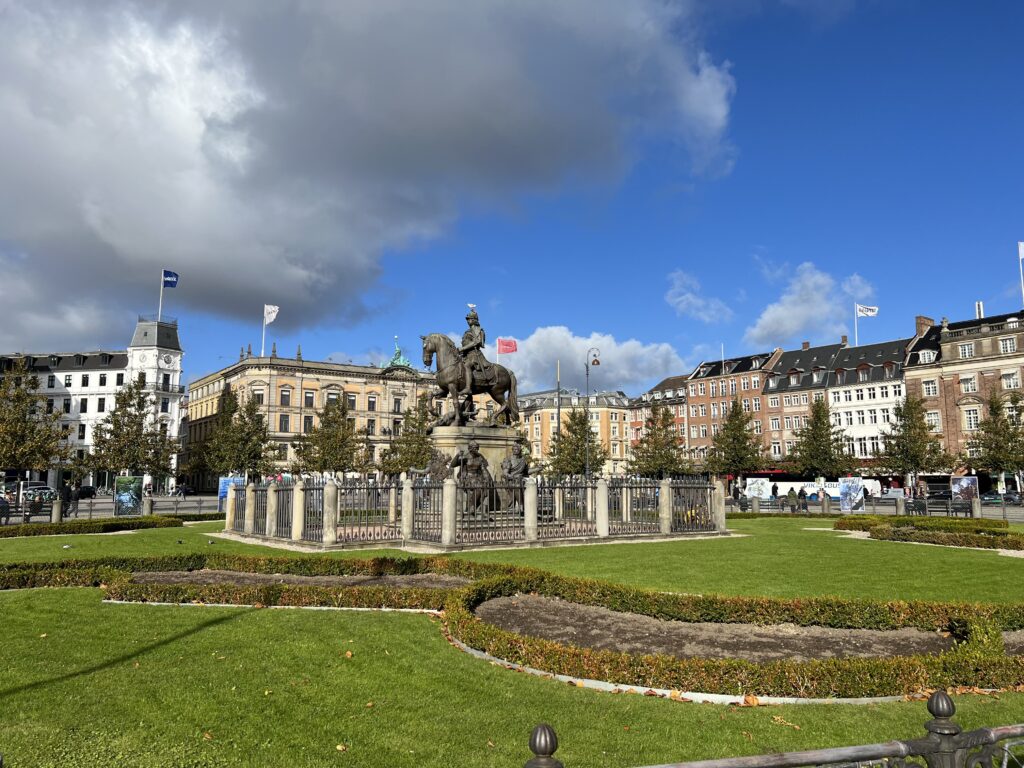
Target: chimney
[
  {"x": 273, "y": 349},
  {"x": 844, "y": 340},
  {"x": 979, "y": 310},
  {"x": 922, "y": 324},
  {"x": 805, "y": 345},
  {"x": 248, "y": 351},
  {"x": 241, "y": 353},
  {"x": 298, "y": 353}
]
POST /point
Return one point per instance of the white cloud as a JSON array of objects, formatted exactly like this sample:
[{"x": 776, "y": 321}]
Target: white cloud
[
  {"x": 628, "y": 365},
  {"x": 272, "y": 152},
  {"x": 685, "y": 298},
  {"x": 811, "y": 308},
  {"x": 772, "y": 271}
]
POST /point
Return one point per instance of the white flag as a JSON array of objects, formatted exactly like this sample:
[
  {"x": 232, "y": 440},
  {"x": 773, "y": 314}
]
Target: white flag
[
  {"x": 863, "y": 311},
  {"x": 269, "y": 313}
]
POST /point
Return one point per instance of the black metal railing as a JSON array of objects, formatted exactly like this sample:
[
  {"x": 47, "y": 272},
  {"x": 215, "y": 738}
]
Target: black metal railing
[
  {"x": 368, "y": 511},
  {"x": 691, "y": 506},
  {"x": 238, "y": 525},
  {"x": 481, "y": 516},
  {"x": 285, "y": 495},
  {"x": 945, "y": 745},
  {"x": 259, "y": 526},
  {"x": 428, "y": 503},
  {"x": 636, "y": 509},
  {"x": 313, "y": 512},
  {"x": 566, "y": 508}
]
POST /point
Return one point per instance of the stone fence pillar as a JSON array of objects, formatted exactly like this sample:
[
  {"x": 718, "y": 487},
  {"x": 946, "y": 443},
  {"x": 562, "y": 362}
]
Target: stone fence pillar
[
  {"x": 298, "y": 509},
  {"x": 448, "y": 511},
  {"x": 826, "y": 504},
  {"x": 408, "y": 506},
  {"x": 718, "y": 506},
  {"x": 330, "y": 498},
  {"x": 147, "y": 505},
  {"x": 57, "y": 510},
  {"x": 530, "y": 508},
  {"x": 665, "y": 507},
  {"x": 755, "y": 504},
  {"x": 393, "y": 503},
  {"x": 976, "y": 506},
  {"x": 602, "y": 507},
  {"x": 272, "y": 509},
  {"x": 901, "y": 506},
  {"x": 250, "y": 509},
  {"x": 229, "y": 508}
]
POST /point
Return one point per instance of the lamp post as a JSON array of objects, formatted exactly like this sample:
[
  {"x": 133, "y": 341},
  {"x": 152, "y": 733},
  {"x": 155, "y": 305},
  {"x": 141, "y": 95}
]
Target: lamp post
[{"x": 593, "y": 358}]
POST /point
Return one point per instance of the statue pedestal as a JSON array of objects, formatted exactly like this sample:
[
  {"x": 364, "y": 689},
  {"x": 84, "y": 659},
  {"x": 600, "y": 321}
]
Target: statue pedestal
[{"x": 495, "y": 443}]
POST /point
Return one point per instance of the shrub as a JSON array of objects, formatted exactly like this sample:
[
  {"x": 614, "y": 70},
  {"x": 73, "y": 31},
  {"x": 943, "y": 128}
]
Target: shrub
[
  {"x": 949, "y": 524},
  {"x": 196, "y": 517},
  {"x": 990, "y": 539},
  {"x": 786, "y": 515},
  {"x": 100, "y": 525}
]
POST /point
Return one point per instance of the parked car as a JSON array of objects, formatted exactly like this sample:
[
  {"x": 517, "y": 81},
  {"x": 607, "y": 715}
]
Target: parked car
[
  {"x": 87, "y": 492},
  {"x": 992, "y": 497},
  {"x": 184, "y": 490}
]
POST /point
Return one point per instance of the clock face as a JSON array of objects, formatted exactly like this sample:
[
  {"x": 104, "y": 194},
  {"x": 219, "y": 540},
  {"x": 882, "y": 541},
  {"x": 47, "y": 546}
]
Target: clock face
[
  {"x": 167, "y": 359},
  {"x": 142, "y": 357}
]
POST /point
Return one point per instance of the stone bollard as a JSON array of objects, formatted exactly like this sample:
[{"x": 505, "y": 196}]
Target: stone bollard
[
  {"x": 392, "y": 503},
  {"x": 229, "y": 509},
  {"x": 901, "y": 506},
  {"x": 665, "y": 507},
  {"x": 448, "y": 509},
  {"x": 627, "y": 503},
  {"x": 272, "y": 509},
  {"x": 530, "y": 508},
  {"x": 408, "y": 507},
  {"x": 147, "y": 505},
  {"x": 602, "y": 507},
  {"x": 755, "y": 505},
  {"x": 330, "y": 513},
  {"x": 826, "y": 504},
  {"x": 249, "y": 527},
  {"x": 298, "y": 509},
  {"x": 718, "y": 506},
  {"x": 976, "y": 507},
  {"x": 57, "y": 511}
]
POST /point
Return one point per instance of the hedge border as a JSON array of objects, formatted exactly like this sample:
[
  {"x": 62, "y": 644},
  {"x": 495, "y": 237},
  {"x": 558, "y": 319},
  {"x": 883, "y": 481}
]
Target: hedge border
[
  {"x": 947, "y": 524},
  {"x": 99, "y": 525},
  {"x": 782, "y": 515},
  {"x": 988, "y": 540}
]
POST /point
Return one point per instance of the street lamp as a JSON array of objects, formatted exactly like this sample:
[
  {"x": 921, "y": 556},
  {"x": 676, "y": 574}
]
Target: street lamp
[{"x": 593, "y": 358}]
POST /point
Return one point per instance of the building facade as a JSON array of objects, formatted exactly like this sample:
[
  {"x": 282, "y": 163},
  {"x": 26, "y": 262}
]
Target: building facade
[
  {"x": 669, "y": 393},
  {"x": 956, "y": 367},
  {"x": 609, "y": 420},
  {"x": 292, "y": 392},
  {"x": 82, "y": 386}
]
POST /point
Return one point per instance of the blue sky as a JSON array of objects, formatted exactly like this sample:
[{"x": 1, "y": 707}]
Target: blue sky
[{"x": 823, "y": 153}]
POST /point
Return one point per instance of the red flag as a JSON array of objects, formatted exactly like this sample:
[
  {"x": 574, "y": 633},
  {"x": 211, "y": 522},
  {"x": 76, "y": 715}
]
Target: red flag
[{"x": 506, "y": 345}]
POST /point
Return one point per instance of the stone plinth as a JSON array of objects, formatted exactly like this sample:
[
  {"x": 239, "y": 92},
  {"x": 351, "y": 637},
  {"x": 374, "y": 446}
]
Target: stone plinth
[{"x": 495, "y": 443}]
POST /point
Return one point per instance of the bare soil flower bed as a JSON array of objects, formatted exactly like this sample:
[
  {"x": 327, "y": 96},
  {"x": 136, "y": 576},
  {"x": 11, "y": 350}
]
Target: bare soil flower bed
[
  {"x": 213, "y": 576},
  {"x": 599, "y": 628}
]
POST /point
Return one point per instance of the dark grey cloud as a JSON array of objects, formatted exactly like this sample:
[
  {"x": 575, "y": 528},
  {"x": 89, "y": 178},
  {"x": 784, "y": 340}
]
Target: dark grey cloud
[{"x": 271, "y": 152}]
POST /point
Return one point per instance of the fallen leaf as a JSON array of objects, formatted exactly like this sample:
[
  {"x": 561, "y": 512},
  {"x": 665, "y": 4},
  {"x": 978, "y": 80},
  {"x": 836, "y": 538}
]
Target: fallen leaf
[
  {"x": 369, "y": 704},
  {"x": 342, "y": 747},
  {"x": 43, "y": 635},
  {"x": 136, "y": 665},
  {"x": 778, "y": 720},
  {"x": 749, "y": 736},
  {"x": 207, "y": 736},
  {"x": 490, "y": 744},
  {"x": 267, "y": 693},
  {"x": 750, "y": 701},
  {"x": 348, "y": 654},
  {"x": 625, "y": 727}
]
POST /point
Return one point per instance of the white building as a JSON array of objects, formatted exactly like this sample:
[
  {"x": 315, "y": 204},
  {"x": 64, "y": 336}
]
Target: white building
[
  {"x": 864, "y": 386},
  {"x": 81, "y": 386}
]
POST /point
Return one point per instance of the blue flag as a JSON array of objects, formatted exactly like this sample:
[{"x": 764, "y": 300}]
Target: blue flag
[{"x": 170, "y": 279}]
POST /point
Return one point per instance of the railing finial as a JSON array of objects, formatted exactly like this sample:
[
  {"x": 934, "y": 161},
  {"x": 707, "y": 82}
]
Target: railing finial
[{"x": 543, "y": 744}]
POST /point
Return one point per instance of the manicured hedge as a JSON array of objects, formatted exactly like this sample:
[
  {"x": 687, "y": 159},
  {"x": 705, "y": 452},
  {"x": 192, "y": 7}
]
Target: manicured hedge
[
  {"x": 974, "y": 661},
  {"x": 196, "y": 517},
  {"x": 948, "y": 524},
  {"x": 787, "y": 515},
  {"x": 100, "y": 525},
  {"x": 990, "y": 539}
]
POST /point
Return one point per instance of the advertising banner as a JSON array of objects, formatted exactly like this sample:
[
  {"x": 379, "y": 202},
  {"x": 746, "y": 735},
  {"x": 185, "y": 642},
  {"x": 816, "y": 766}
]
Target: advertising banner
[
  {"x": 758, "y": 487},
  {"x": 127, "y": 496},
  {"x": 851, "y": 494},
  {"x": 222, "y": 489},
  {"x": 964, "y": 488}
]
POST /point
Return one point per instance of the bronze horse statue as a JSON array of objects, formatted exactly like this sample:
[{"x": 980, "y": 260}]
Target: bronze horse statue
[{"x": 451, "y": 380}]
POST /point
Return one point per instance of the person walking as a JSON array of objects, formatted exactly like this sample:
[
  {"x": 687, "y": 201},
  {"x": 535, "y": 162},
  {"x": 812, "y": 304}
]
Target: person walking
[
  {"x": 775, "y": 491},
  {"x": 791, "y": 500},
  {"x": 802, "y": 497}
]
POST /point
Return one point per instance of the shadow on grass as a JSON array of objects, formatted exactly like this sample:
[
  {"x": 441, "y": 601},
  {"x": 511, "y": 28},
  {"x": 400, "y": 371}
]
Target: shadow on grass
[{"x": 127, "y": 656}]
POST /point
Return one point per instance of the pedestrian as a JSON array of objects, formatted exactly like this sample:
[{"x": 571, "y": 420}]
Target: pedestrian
[
  {"x": 802, "y": 496},
  {"x": 735, "y": 491},
  {"x": 775, "y": 491},
  {"x": 76, "y": 494},
  {"x": 791, "y": 500}
]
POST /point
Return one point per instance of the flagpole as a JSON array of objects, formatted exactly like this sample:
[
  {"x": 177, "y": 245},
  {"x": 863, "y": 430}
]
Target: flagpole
[
  {"x": 160, "y": 305},
  {"x": 1020, "y": 261},
  {"x": 855, "y": 315},
  {"x": 263, "y": 337},
  {"x": 558, "y": 397}
]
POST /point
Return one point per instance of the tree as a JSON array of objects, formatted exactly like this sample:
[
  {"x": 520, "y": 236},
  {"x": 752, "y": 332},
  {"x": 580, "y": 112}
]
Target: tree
[
  {"x": 570, "y": 447},
  {"x": 998, "y": 445},
  {"x": 129, "y": 438},
  {"x": 736, "y": 450},
  {"x": 910, "y": 444},
  {"x": 412, "y": 447},
  {"x": 657, "y": 453},
  {"x": 332, "y": 445},
  {"x": 820, "y": 449},
  {"x": 239, "y": 441},
  {"x": 30, "y": 438}
]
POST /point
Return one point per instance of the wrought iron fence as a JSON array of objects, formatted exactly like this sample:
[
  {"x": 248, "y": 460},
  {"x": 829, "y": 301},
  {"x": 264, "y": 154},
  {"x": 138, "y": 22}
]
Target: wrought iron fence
[
  {"x": 260, "y": 510},
  {"x": 428, "y": 503},
  {"x": 691, "y": 505},
  {"x": 636, "y": 509},
  {"x": 488, "y": 512},
  {"x": 945, "y": 745},
  {"x": 566, "y": 507},
  {"x": 313, "y": 512},
  {"x": 368, "y": 511},
  {"x": 238, "y": 525},
  {"x": 29, "y": 511},
  {"x": 285, "y": 495}
]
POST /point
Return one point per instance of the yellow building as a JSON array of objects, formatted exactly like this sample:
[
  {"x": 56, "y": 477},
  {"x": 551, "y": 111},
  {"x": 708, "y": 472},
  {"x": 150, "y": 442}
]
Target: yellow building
[
  {"x": 609, "y": 419},
  {"x": 293, "y": 391}
]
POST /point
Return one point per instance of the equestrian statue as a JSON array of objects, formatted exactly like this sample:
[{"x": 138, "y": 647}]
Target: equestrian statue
[{"x": 463, "y": 371}]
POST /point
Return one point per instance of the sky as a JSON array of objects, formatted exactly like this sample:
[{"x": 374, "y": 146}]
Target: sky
[{"x": 658, "y": 180}]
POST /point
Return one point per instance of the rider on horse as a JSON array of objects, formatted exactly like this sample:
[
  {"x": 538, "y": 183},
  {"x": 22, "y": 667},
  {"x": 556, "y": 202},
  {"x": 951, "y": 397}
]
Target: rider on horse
[{"x": 472, "y": 357}]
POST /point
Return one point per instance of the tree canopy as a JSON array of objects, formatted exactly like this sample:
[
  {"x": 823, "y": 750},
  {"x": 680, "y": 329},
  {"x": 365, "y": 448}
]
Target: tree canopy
[
  {"x": 332, "y": 445},
  {"x": 30, "y": 438},
  {"x": 998, "y": 444},
  {"x": 820, "y": 449},
  {"x": 736, "y": 450},
  {"x": 239, "y": 441},
  {"x": 570, "y": 447},
  {"x": 910, "y": 444},
  {"x": 412, "y": 448},
  {"x": 657, "y": 453},
  {"x": 130, "y": 438}
]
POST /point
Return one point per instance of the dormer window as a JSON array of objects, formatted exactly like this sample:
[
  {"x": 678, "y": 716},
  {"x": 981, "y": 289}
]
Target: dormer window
[
  {"x": 890, "y": 370},
  {"x": 816, "y": 376},
  {"x": 840, "y": 376},
  {"x": 773, "y": 381},
  {"x": 794, "y": 379},
  {"x": 79, "y": 360},
  {"x": 54, "y": 361},
  {"x": 926, "y": 356},
  {"x": 863, "y": 374},
  {"x": 756, "y": 363}
]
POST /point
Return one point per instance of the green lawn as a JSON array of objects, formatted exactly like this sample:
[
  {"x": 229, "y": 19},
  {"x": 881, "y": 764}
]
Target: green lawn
[{"x": 136, "y": 685}]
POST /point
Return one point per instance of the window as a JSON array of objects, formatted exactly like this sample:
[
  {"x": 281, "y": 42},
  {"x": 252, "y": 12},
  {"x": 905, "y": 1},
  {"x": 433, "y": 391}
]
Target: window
[
  {"x": 790, "y": 444},
  {"x": 307, "y": 423},
  {"x": 165, "y": 405},
  {"x": 848, "y": 395},
  {"x": 693, "y": 390},
  {"x": 890, "y": 371},
  {"x": 103, "y": 379},
  {"x": 332, "y": 397},
  {"x": 794, "y": 379},
  {"x": 396, "y": 428},
  {"x": 872, "y": 416},
  {"x": 615, "y": 430},
  {"x": 875, "y": 445},
  {"x": 789, "y": 422},
  {"x": 757, "y": 403},
  {"x": 308, "y": 398},
  {"x": 837, "y": 419},
  {"x": 1011, "y": 380},
  {"x": 693, "y": 430},
  {"x": 714, "y": 410},
  {"x": 863, "y": 374},
  {"x": 871, "y": 393},
  {"x": 83, "y": 405},
  {"x": 883, "y": 391},
  {"x": 787, "y": 400},
  {"x": 840, "y": 376},
  {"x": 371, "y": 427},
  {"x": 286, "y": 397},
  {"x": 968, "y": 384},
  {"x": 816, "y": 376},
  {"x": 120, "y": 379},
  {"x": 755, "y": 382},
  {"x": 773, "y": 382},
  {"x": 744, "y": 383},
  {"x": 757, "y": 427},
  {"x": 732, "y": 386},
  {"x": 1006, "y": 346},
  {"x": 704, "y": 430},
  {"x": 397, "y": 405},
  {"x": 836, "y": 397},
  {"x": 885, "y": 416},
  {"x": 49, "y": 405},
  {"x": 703, "y": 410},
  {"x": 282, "y": 422},
  {"x": 746, "y": 405},
  {"x": 101, "y": 404},
  {"x": 700, "y": 388},
  {"x": 971, "y": 418},
  {"x": 859, "y": 394},
  {"x": 860, "y": 417},
  {"x": 773, "y": 402},
  {"x": 897, "y": 390},
  {"x": 351, "y": 402},
  {"x": 773, "y": 423},
  {"x": 776, "y": 450},
  {"x": 849, "y": 418},
  {"x": 67, "y": 380},
  {"x": 862, "y": 446},
  {"x": 693, "y": 410},
  {"x": 67, "y": 405},
  {"x": 258, "y": 396},
  {"x": 714, "y": 388},
  {"x": 819, "y": 396},
  {"x": 51, "y": 381},
  {"x": 931, "y": 388},
  {"x": 803, "y": 399},
  {"x": 966, "y": 350},
  {"x": 81, "y": 431},
  {"x": 926, "y": 356},
  {"x": 371, "y": 403}
]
